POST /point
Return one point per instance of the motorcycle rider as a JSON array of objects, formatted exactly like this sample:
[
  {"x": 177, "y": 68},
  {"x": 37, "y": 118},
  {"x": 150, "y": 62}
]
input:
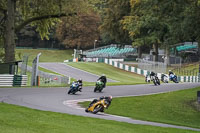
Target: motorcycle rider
[
  {"x": 103, "y": 79},
  {"x": 172, "y": 76},
  {"x": 80, "y": 84},
  {"x": 107, "y": 99},
  {"x": 152, "y": 74},
  {"x": 170, "y": 72}
]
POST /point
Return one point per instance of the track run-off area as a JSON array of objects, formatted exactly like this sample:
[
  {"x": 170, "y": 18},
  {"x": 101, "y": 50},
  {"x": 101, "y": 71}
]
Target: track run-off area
[{"x": 57, "y": 99}]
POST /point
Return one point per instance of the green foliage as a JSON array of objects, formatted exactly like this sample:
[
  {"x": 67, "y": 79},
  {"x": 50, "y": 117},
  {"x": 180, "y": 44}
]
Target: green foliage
[
  {"x": 36, "y": 8},
  {"x": 111, "y": 25},
  {"x": 165, "y": 22}
]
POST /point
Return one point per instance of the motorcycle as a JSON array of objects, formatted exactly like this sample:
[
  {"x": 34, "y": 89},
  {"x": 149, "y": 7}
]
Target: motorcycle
[
  {"x": 74, "y": 88},
  {"x": 98, "y": 86},
  {"x": 97, "y": 106},
  {"x": 173, "y": 78},
  {"x": 147, "y": 78},
  {"x": 164, "y": 78},
  {"x": 155, "y": 80}
]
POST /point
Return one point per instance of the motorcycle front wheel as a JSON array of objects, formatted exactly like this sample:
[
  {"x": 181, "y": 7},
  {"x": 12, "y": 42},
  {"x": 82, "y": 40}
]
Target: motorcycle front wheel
[
  {"x": 69, "y": 91},
  {"x": 154, "y": 82}
]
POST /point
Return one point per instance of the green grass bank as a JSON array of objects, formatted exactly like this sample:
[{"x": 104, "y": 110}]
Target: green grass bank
[
  {"x": 178, "y": 108},
  {"x": 16, "y": 119},
  {"x": 123, "y": 77}
]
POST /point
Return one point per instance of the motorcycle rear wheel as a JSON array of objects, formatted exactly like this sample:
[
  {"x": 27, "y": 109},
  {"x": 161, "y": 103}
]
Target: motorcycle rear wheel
[
  {"x": 154, "y": 82},
  {"x": 97, "y": 109},
  {"x": 95, "y": 89},
  {"x": 86, "y": 110}
]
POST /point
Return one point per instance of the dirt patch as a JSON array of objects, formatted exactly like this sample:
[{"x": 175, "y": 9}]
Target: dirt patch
[{"x": 195, "y": 105}]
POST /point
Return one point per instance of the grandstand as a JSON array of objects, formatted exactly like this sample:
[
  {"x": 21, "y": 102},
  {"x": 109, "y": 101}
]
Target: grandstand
[
  {"x": 111, "y": 51},
  {"x": 187, "y": 46}
]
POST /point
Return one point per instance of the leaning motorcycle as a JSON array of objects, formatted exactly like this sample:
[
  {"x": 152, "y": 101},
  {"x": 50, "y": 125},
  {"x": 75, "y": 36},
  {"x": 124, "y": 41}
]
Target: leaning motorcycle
[
  {"x": 74, "y": 88},
  {"x": 147, "y": 78},
  {"x": 173, "y": 78},
  {"x": 155, "y": 80},
  {"x": 164, "y": 78},
  {"x": 98, "y": 106},
  {"x": 98, "y": 86}
]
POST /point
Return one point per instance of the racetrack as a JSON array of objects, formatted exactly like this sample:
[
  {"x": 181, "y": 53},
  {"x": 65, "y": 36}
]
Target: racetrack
[
  {"x": 57, "y": 99},
  {"x": 69, "y": 71}
]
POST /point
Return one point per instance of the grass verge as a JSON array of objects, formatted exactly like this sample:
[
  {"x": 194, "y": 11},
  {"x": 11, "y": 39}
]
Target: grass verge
[
  {"x": 16, "y": 119},
  {"x": 46, "y": 56},
  {"x": 178, "y": 108},
  {"x": 124, "y": 77}
]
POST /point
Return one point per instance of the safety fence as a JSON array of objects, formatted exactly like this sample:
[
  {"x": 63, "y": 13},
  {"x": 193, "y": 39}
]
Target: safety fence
[
  {"x": 145, "y": 72},
  {"x": 13, "y": 80},
  {"x": 47, "y": 79},
  {"x": 158, "y": 67}
]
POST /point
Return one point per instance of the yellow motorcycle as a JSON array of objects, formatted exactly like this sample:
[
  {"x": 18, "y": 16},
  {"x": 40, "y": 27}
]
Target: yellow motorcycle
[{"x": 98, "y": 106}]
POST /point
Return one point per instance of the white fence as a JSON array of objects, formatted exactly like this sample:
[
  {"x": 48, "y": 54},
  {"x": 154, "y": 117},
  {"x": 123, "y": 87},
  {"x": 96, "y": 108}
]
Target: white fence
[{"x": 13, "y": 80}]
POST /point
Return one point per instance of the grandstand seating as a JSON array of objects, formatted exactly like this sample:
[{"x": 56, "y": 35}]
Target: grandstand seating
[
  {"x": 110, "y": 51},
  {"x": 187, "y": 46}
]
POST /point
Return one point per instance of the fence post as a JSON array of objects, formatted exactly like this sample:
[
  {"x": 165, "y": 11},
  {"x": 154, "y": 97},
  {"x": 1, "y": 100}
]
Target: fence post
[
  {"x": 198, "y": 97},
  {"x": 69, "y": 80},
  {"x": 199, "y": 74}
]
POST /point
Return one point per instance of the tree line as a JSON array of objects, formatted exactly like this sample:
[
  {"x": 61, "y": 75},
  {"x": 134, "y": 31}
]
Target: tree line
[{"x": 77, "y": 23}]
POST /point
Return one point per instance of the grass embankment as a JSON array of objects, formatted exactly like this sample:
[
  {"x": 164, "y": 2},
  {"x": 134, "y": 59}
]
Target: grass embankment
[
  {"x": 15, "y": 119},
  {"x": 46, "y": 56},
  {"x": 186, "y": 69},
  {"x": 178, "y": 108},
  {"x": 111, "y": 72}
]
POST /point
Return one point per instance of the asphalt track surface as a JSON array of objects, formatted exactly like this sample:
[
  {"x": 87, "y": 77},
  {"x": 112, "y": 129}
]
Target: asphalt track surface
[
  {"x": 69, "y": 71},
  {"x": 57, "y": 99}
]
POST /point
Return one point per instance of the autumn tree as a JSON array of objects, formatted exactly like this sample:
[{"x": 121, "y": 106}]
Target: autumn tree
[{"x": 80, "y": 31}]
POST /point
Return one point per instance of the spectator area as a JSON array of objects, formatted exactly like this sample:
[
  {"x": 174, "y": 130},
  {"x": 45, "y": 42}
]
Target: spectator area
[
  {"x": 110, "y": 51},
  {"x": 187, "y": 46}
]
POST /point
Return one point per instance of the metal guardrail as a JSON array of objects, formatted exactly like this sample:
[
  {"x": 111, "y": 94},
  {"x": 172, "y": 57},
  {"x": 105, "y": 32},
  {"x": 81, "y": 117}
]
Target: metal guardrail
[
  {"x": 48, "y": 77},
  {"x": 13, "y": 80},
  {"x": 6, "y": 80}
]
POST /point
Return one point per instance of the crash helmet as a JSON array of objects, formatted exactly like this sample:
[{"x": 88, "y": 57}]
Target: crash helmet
[
  {"x": 110, "y": 97},
  {"x": 80, "y": 80},
  {"x": 103, "y": 75}
]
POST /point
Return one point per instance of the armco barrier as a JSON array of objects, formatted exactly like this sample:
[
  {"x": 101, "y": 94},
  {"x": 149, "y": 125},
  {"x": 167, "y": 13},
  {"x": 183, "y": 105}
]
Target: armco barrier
[
  {"x": 20, "y": 80},
  {"x": 13, "y": 80},
  {"x": 145, "y": 72},
  {"x": 6, "y": 80}
]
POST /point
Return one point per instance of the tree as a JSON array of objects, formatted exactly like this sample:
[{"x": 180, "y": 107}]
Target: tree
[
  {"x": 19, "y": 13},
  {"x": 156, "y": 22},
  {"x": 111, "y": 26},
  {"x": 80, "y": 31}
]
